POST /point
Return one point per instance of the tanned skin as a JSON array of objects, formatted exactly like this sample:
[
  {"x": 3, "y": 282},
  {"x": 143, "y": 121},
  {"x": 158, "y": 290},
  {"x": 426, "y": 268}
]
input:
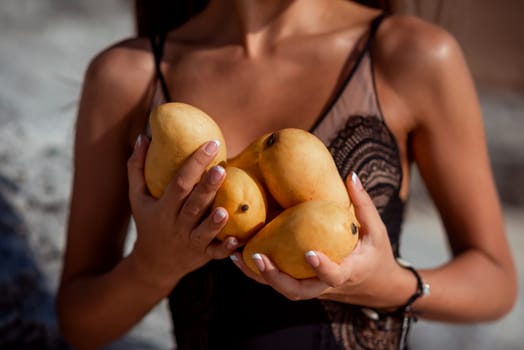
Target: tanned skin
[{"x": 241, "y": 60}]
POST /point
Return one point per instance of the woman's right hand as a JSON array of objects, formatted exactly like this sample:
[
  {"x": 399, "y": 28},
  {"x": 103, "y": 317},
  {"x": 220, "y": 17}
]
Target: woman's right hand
[{"x": 176, "y": 233}]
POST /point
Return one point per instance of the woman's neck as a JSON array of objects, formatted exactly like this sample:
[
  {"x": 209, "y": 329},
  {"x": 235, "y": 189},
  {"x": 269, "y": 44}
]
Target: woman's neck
[{"x": 258, "y": 25}]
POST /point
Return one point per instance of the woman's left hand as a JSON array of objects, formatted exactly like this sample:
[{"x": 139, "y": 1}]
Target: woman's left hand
[{"x": 366, "y": 277}]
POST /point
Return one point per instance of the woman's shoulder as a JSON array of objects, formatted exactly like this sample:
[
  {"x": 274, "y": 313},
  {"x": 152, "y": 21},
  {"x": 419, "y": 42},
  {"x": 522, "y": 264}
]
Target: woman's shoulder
[
  {"x": 126, "y": 60},
  {"x": 410, "y": 40},
  {"x": 121, "y": 74},
  {"x": 118, "y": 85},
  {"x": 418, "y": 60}
]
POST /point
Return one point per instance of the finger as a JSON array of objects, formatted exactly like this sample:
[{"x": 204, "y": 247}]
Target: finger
[
  {"x": 135, "y": 169},
  {"x": 237, "y": 259},
  {"x": 221, "y": 250},
  {"x": 365, "y": 210},
  {"x": 327, "y": 270},
  {"x": 201, "y": 197},
  {"x": 271, "y": 273},
  {"x": 202, "y": 236},
  {"x": 190, "y": 173},
  {"x": 290, "y": 287}
]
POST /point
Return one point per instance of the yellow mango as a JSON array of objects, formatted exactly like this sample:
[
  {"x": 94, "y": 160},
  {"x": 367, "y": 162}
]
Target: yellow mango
[
  {"x": 249, "y": 157},
  {"x": 318, "y": 225},
  {"x": 296, "y": 167},
  {"x": 248, "y": 160},
  {"x": 244, "y": 199},
  {"x": 177, "y": 131}
]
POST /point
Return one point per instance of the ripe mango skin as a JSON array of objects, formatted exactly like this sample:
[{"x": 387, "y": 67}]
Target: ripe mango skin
[
  {"x": 248, "y": 160},
  {"x": 294, "y": 166},
  {"x": 244, "y": 199},
  {"x": 318, "y": 225},
  {"x": 298, "y": 167},
  {"x": 177, "y": 130},
  {"x": 249, "y": 157}
]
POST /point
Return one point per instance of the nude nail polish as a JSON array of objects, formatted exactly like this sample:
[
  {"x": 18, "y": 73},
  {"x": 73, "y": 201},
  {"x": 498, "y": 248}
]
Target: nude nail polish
[
  {"x": 216, "y": 174},
  {"x": 212, "y": 147}
]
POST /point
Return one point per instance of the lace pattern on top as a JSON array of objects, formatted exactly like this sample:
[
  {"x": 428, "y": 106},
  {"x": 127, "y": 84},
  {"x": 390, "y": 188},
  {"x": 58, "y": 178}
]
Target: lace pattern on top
[
  {"x": 359, "y": 140},
  {"x": 354, "y": 330}
]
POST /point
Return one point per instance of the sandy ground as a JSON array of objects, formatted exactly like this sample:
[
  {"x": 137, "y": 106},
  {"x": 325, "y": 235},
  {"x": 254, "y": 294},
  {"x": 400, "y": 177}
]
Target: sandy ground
[{"x": 44, "y": 49}]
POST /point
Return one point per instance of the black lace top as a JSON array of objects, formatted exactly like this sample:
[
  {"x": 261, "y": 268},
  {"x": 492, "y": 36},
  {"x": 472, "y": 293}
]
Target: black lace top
[{"x": 218, "y": 307}]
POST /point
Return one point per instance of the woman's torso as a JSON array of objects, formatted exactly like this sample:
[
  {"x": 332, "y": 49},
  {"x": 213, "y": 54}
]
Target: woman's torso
[{"x": 331, "y": 91}]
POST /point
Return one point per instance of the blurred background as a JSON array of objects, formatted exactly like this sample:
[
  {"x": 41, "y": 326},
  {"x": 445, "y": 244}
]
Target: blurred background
[{"x": 45, "y": 46}]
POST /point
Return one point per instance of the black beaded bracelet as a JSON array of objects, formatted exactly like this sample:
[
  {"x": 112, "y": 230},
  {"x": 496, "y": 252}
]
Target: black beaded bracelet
[
  {"x": 405, "y": 311},
  {"x": 422, "y": 290}
]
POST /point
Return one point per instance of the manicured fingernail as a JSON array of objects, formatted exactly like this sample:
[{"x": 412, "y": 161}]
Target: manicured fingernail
[
  {"x": 212, "y": 147},
  {"x": 257, "y": 259},
  {"x": 216, "y": 174},
  {"x": 232, "y": 243},
  {"x": 219, "y": 215},
  {"x": 356, "y": 181},
  {"x": 234, "y": 259},
  {"x": 312, "y": 258},
  {"x": 138, "y": 141}
]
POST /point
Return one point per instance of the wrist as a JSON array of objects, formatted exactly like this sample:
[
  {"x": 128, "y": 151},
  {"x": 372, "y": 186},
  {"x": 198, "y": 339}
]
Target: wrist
[
  {"x": 421, "y": 290},
  {"x": 145, "y": 272},
  {"x": 404, "y": 291},
  {"x": 396, "y": 290},
  {"x": 401, "y": 288}
]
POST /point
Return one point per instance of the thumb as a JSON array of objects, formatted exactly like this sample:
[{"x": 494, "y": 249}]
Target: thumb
[
  {"x": 135, "y": 169},
  {"x": 365, "y": 210}
]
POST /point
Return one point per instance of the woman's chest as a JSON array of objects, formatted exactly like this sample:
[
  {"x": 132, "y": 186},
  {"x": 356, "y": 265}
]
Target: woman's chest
[
  {"x": 248, "y": 98},
  {"x": 251, "y": 97}
]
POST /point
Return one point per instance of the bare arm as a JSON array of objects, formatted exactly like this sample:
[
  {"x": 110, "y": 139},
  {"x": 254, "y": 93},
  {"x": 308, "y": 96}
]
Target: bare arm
[
  {"x": 427, "y": 83},
  {"x": 95, "y": 283},
  {"x": 102, "y": 295},
  {"x": 448, "y": 145}
]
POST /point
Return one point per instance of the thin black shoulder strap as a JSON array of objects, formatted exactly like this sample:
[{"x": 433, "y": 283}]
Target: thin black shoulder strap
[
  {"x": 157, "y": 44},
  {"x": 355, "y": 58},
  {"x": 375, "y": 24}
]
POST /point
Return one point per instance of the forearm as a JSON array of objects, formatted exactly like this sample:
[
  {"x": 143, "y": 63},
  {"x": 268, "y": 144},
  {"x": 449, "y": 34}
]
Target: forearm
[
  {"x": 471, "y": 288},
  {"x": 95, "y": 310}
]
